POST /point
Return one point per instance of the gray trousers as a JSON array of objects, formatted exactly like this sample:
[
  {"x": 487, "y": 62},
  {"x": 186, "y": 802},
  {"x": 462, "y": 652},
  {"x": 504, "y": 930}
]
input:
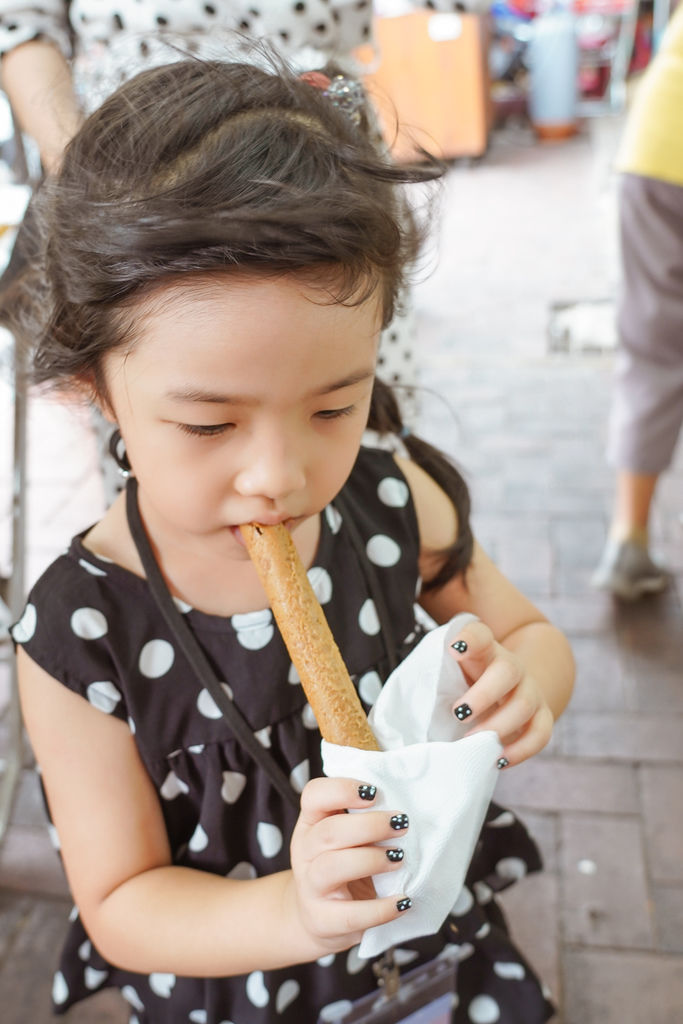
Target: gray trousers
[{"x": 647, "y": 406}]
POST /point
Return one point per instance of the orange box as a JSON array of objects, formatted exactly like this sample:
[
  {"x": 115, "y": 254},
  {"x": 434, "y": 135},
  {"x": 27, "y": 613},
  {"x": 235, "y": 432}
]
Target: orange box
[{"x": 430, "y": 84}]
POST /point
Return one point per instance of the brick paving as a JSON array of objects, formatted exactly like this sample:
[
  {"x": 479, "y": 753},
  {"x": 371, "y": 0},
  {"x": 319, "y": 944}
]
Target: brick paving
[{"x": 527, "y": 227}]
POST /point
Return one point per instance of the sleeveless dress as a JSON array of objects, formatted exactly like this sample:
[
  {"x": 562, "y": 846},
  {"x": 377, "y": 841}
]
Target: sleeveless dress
[{"x": 94, "y": 626}]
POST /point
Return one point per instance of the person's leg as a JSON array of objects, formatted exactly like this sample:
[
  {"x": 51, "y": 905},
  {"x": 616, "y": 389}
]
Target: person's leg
[
  {"x": 632, "y": 502},
  {"x": 647, "y": 407}
]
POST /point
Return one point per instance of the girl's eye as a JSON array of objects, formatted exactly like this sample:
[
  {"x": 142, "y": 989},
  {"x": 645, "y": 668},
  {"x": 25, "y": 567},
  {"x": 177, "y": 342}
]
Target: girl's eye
[
  {"x": 204, "y": 430},
  {"x": 333, "y": 414}
]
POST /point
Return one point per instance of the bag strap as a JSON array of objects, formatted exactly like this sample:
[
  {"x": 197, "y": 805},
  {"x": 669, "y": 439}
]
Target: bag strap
[{"x": 195, "y": 655}]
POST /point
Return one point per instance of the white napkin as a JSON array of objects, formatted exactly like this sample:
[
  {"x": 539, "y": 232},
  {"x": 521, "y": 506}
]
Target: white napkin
[{"x": 429, "y": 770}]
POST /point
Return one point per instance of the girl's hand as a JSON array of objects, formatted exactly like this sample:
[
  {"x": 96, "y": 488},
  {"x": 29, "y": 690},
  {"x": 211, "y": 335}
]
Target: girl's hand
[
  {"x": 503, "y": 696},
  {"x": 333, "y": 855}
]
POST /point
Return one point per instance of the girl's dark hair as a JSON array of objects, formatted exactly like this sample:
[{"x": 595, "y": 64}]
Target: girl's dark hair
[{"x": 203, "y": 167}]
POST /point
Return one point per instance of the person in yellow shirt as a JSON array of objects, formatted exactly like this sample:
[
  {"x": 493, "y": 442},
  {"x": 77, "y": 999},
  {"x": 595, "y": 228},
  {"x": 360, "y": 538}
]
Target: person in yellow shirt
[{"x": 647, "y": 407}]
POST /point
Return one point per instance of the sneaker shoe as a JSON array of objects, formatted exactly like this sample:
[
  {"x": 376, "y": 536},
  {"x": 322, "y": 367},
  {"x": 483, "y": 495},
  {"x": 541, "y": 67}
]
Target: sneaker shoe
[{"x": 628, "y": 572}]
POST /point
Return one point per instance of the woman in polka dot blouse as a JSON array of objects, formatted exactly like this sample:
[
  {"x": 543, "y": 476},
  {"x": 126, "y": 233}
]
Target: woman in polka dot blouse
[{"x": 221, "y": 248}]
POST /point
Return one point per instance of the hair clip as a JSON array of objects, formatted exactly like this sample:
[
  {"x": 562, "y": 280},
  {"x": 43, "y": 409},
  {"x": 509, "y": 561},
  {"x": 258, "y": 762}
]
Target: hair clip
[{"x": 345, "y": 93}]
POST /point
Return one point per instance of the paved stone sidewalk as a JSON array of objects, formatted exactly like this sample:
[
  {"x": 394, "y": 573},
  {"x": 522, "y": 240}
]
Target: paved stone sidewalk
[{"x": 603, "y": 923}]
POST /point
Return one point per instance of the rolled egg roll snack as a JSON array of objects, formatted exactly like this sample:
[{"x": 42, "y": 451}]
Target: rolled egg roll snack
[{"x": 307, "y": 636}]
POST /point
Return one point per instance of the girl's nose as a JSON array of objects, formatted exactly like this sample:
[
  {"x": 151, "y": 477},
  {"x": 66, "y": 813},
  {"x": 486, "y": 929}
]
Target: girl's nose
[{"x": 273, "y": 469}]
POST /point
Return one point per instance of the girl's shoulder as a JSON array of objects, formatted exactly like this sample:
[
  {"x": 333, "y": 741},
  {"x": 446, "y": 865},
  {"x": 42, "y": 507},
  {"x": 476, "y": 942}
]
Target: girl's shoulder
[
  {"x": 380, "y": 493},
  {"x": 78, "y": 616},
  {"x": 386, "y": 473}
]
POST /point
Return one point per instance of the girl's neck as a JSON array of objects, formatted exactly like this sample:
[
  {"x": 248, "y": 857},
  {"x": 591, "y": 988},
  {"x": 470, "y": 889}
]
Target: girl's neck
[{"x": 222, "y": 586}]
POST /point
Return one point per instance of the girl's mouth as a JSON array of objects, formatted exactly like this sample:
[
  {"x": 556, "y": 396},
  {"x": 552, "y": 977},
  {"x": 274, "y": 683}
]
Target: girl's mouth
[{"x": 289, "y": 524}]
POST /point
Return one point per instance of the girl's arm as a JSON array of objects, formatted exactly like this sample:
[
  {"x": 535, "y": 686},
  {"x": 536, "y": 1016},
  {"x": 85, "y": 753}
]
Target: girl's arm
[
  {"x": 145, "y": 914},
  {"x": 37, "y": 80},
  {"x": 519, "y": 665}
]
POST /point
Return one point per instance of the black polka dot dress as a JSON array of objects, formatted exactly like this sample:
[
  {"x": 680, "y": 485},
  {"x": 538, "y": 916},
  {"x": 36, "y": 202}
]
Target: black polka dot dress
[{"x": 95, "y": 627}]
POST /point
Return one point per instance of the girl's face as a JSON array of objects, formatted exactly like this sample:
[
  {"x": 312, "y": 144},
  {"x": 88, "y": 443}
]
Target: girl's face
[{"x": 243, "y": 399}]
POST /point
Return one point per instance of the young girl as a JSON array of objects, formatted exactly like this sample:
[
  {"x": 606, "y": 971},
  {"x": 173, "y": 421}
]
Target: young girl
[{"x": 221, "y": 249}]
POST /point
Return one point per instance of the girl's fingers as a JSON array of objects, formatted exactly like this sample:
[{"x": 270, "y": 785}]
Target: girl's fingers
[
  {"x": 323, "y": 797},
  {"x": 342, "y": 831},
  {"x": 498, "y": 681},
  {"x": 510, "y": 717},
  {"x": 532, "y": 740},
  {"x": 344, "y": 917},
  {"x": 335, "y": 870},
  {"x": 474, "y": 649}
]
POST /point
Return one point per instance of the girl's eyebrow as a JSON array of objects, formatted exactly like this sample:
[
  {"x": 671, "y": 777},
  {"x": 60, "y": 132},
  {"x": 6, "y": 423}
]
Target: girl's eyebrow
[
  {"x": 345, "y": 382},
  {"x": 192, "y": 394}
]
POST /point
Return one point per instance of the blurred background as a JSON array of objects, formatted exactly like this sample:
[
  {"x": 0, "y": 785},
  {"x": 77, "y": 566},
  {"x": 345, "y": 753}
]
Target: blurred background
[{"x": 515, "y": 345}]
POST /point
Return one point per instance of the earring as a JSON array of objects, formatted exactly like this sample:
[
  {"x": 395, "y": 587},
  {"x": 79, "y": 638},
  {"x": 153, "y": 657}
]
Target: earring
[{"x": 117, "y": 450}]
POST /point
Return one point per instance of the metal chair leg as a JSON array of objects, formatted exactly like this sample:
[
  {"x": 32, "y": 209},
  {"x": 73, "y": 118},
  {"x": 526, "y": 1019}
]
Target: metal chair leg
[{"x": 11, "y": 761}]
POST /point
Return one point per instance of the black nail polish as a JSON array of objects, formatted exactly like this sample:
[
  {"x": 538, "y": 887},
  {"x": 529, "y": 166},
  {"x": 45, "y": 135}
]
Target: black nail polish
[
  {"x": 399, "y": 821},
  {"x": 367, "y": 792},
  {"x": 405, "y": 904},
  {"x": 462, "y": 712},
  {"x": 503, "y": 762},
  {"x": 395, "y": 855},
  {"x": 460, "y": 646}
]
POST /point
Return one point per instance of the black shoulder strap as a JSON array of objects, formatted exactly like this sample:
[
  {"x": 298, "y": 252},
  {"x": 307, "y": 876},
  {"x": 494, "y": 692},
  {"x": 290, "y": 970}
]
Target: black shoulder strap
[{"x": 194, "y": 653}]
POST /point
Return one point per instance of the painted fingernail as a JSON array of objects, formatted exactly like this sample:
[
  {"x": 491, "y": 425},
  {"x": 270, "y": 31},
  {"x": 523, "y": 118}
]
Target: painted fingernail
[
  {"x": 405, "y": 904},
  {"x": 503, "y": 762},
  {"x": 367, "y": 792},
  {"x": 395, "y": 855},
  {"x": 398, "y": 821},
  {"x": 460, "y": 646},
  {"x": 462, "y": 712}
]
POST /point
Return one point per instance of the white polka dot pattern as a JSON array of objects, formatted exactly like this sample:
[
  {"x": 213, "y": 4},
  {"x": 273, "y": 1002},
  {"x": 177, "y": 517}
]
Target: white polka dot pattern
[
  {"x": 483, "y": 1010},
  {"x": 269, "y": 838},
  {"x": 156, "y": 658},
  {"x": 368, "y": 619},
  {"x": 321, "y": 583},
  {"x": 393, "y": 492},
  {"x": 300, "y": 775},
  {"x": 335, "y": 1011},
  {"x": 89, "y": 623},
  {"x": 355, "y": 963},
  {"x": 370, "y": 687},
  {"x": 207, "y": 706},
  {"x": 60, "y": 989},
  {"x": 242, "y": 871},
  {"x": 94, "y": 570},
  {"x": 199, "y": 840},
  {"x": 286, "y": 994},
  {"x": 511, "y": 867},
  {"x": 383, "y": 551},
  {"x": 254, "y": 629},
  {"x": 233, "y": 786},
  {"x": 334, "y": 518},
  {"x": 257, "y": 993},
  {"x": 162, "y": 984},
  {"x": 173, "y": 787},
  {"x": 94, "y": 978},
  {"x": 25, "y": 628},
  {"x": 510, "y": 971},
  {"x": 103, "y": 695}
]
